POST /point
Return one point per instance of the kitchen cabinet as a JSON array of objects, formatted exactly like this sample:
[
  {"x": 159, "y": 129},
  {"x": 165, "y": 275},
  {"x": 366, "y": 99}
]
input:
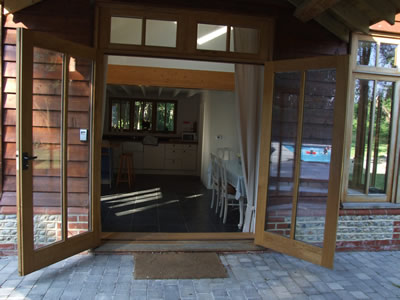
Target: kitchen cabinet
[
  {"x": 164, "y": 158},
  {"x": 189, "y": 157},
  {"x": 154, "y": 157}
]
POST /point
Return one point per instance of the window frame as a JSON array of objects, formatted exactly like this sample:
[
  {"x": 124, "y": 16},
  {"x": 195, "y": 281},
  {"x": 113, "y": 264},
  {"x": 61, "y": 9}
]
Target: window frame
[
  {"x": 374, "y": 69},
  {"x": 132, "y": 115},
  {"x": 186, "y": 39},
  {"x": 374, "y": 74}
]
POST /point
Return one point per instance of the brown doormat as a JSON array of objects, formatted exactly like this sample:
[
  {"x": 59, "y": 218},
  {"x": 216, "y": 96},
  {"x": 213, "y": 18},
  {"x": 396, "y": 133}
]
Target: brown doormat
[{"x": 173, "y": 265}]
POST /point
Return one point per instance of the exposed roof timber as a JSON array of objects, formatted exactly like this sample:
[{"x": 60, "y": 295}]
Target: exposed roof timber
[
  {"x": 396, "y": 4},
  {"x": 351, "y": 16},
  {"x": 143, "y": 90},
  {"x": 13, "y": 6},
  {"x": 334, "y": 26},
  {"x": 377, "y": 11},
  {"x": 126, "y": 90},
  {"x": 310, "y": 9},
  {"x": 330, "y": 23}
]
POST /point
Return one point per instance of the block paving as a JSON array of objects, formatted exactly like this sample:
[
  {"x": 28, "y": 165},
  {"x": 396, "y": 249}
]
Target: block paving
[{"x": 252, "y": 276}]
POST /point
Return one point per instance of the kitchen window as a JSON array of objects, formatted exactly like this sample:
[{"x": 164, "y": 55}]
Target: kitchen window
[{"x": 143, "y": 115}]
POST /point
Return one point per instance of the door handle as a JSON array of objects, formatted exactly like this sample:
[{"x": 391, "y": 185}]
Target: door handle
[{"x": 25, "y": 160}]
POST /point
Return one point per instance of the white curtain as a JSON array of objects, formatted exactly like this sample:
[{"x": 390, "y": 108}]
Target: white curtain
[{"x": 248, "y": 97}]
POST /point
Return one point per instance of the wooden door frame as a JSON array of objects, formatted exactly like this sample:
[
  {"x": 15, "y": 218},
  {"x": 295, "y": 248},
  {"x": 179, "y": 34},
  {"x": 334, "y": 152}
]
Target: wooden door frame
[
  {"x": 323, "y": 256},
  {"x": 28, "y": 258}
]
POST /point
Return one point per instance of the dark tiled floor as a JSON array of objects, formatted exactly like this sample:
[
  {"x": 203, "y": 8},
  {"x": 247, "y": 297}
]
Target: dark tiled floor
[{"x": 163, "y": 203}]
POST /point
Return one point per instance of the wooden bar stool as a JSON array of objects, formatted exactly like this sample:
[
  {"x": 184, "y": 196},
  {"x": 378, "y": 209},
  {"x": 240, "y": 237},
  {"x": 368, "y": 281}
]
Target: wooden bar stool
[{"x": 125, "y": 170}]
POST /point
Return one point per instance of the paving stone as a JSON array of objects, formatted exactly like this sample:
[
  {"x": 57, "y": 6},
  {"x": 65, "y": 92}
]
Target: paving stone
[{"x": 357, "y": 275}]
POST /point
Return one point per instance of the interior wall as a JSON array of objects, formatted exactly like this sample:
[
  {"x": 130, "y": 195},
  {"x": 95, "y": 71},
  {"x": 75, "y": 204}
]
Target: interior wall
[{"x": 219, "y": 126}]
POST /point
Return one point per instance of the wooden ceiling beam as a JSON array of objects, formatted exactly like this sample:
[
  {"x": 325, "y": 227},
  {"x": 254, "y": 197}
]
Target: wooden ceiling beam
[
  {"x": 13, "y": 6},
  {"x": 310, "y": 9},
  {"x": 163, "y": 77},
  {"x": 379, "y": 10},
  {"x": 351, "y": 16},
  {"x": 330, "y": 23},
  {"x": 334, "y": 26}
]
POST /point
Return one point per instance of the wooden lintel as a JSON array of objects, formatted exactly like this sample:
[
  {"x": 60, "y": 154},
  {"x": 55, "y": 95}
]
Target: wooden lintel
[
  {"x": 310, "y": 9},
  {"x": 164, "y": 77},
  {"x": 13, "y": 6}
]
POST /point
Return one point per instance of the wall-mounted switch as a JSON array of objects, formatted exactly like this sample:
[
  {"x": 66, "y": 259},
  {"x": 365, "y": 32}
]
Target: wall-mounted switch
[{"x": 83, "y": 135}]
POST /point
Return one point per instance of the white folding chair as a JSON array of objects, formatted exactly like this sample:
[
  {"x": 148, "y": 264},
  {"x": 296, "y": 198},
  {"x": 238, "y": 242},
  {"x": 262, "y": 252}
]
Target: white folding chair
[
  {"x": 226, "y": 153},
  {"x": 227, "y": 192},
  {"x": 215, "y": 181}
]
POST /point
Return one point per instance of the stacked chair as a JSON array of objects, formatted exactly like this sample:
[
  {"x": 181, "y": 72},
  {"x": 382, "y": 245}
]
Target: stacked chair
[{"x": 223, "y": 194}]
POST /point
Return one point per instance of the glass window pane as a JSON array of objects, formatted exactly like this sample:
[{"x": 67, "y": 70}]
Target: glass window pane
[
  {"x": 115, "y": 115},
  {"x": 170, "y": 121},
  {"x": 381, "y": 140},
  {"x": 244, "y": 40},
  {"x": 125, "y": 115},
  {"x": 78, "y": 158},
  {"x": 363, "y": 98},
  {"x": 138, "y": 116},
  {"x": 147, "y": 116},
  {"x": 47, "y": 145},
  {"x": 319, "y": 100},
  {"x": 211, "y": 37},
  {"x": 387, "y": 55},
  {"x": 161, "y": 111},
  {"x": 366, "y": 54},
  {"x": 126, "y": 31},
  {"x": 283, "y": 145},
  {"x": 161, "y": 33}
]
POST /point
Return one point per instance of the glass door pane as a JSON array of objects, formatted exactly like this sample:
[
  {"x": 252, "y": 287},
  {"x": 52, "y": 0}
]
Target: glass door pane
[
  {"x": 283, "y": 147},
  {"x": 54, "y": 182},
  {"x": 46, "y": 146},
  {"x": 316, "y": 147},
  {"x": 78, "y": 186},
  {"x": 300, "y": 166}
]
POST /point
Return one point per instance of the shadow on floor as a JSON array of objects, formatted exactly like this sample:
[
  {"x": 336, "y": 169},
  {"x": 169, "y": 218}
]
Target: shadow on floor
[{"x": 162, "y": 203}]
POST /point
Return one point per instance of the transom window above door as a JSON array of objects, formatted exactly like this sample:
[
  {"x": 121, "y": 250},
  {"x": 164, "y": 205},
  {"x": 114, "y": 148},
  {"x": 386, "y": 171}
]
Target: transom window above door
[
  {"x": 202, "y": 35},
  {"x": 140, "y": 31}
]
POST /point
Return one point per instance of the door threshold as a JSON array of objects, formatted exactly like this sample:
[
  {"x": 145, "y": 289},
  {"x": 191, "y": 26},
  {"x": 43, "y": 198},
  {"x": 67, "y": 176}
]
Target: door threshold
[
  {"x": 129, "y": 243},
  {"x": 180, "y": 236}
]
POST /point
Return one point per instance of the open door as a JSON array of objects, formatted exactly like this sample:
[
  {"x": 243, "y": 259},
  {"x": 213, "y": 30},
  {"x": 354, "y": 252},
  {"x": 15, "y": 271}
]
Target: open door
[
  {"x": 301, "y": 160},
  {"x": 58, "y": 149}
]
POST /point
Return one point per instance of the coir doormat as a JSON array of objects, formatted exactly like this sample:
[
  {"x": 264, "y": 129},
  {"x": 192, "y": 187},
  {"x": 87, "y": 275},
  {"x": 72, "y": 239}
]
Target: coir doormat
[{"x": 178, "y": 266}]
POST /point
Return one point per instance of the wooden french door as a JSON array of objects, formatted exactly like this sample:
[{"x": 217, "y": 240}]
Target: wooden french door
[
  {"x": 58, "y": 146},
  {"x": 302, "y": 144}
]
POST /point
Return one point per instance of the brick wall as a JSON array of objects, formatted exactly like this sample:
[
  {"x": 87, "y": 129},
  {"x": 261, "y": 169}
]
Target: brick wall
[
  {"x": 47, "y": 227},
  {"x": 366, "y": 229},
  {"x": 369, "y": 230}
]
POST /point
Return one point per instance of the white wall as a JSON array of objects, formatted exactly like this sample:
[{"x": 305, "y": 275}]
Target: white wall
[
  {"x": 219, "y": 119},
  {"x": 170, "y": 63}
]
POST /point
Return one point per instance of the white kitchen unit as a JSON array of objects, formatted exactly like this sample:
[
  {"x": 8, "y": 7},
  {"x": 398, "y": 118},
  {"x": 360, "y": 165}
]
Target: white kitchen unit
[{"x": 154, "y": 157}]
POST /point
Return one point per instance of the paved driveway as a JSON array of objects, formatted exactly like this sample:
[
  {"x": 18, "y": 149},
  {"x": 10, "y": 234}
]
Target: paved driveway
[{"x": 357, "y": 275}]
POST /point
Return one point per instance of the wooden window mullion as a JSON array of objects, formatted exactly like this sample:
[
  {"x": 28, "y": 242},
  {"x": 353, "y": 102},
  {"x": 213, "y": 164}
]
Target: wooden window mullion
[
  {"x": 297, "y": 159},
  {"x": 370, "y": 140},
  {"x": 64, "y": 143}
]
